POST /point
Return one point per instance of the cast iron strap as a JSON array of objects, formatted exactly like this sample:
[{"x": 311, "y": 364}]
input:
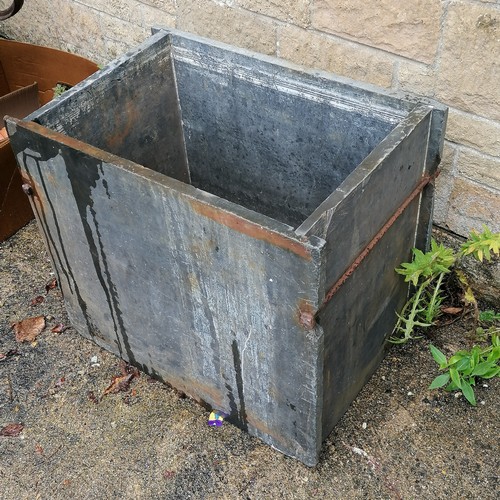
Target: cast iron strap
[
  {"x": 359, "y": 259},
  {"x": 12, "y": 10}
]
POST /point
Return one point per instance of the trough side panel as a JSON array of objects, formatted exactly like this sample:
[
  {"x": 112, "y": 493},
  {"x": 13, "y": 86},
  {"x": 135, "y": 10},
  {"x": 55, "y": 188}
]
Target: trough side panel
[
  {"x": 190, "y": 293},
  {"x": 386, "y": 179},
  {"x": 361, "y": 315},
  {"x": 434, "y": 155},
  {"x": 130, "y": 109}
]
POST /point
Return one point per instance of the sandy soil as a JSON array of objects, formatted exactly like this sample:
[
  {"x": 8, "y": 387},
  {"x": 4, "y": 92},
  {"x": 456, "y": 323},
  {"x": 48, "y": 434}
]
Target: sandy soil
[{"x": 397, "y": 440}]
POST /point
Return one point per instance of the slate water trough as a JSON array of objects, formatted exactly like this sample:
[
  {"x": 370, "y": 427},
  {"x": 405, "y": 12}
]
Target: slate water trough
[{"x": 230, "y": 223}]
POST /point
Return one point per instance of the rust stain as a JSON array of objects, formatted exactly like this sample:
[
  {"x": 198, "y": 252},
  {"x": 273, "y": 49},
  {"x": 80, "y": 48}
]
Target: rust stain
[
  {"x": 28, "y": 182},
  {"x": 306, "y": 315},
  {"x": 196, "y": 390},
  {"x": 131, "y": 119},
  {"x": 259, "y": 425},
  {"x": 251, "y": 229}
]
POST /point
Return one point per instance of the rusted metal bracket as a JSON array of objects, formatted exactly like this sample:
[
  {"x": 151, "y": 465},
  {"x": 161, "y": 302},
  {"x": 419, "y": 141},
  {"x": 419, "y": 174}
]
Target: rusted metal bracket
[
  {"x": 359, "y": 259},
  {"x": 28, "y": 190}
]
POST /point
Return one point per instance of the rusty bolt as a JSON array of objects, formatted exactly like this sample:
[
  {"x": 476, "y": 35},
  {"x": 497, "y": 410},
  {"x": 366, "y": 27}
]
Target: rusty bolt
[
  {"x": 27, "y": 189},
  {"x": 307, "y": 320}
]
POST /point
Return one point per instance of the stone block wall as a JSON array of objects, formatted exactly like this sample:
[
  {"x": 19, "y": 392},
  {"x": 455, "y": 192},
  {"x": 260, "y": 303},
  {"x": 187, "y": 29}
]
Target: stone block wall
[{"x": 445, "y": 49}]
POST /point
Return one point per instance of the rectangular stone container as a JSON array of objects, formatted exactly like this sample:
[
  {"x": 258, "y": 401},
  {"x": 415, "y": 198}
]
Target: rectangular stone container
[{"x": 230, "y": 223}]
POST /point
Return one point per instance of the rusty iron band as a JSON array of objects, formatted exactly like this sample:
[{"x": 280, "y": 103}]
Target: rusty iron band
[{"x": 359, "y": 259}]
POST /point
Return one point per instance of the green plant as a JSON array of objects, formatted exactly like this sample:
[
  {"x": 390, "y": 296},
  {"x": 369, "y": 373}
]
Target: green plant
[
  {"x": 59, "y": 89},
  {"x": 464, "y": 367},
  {"x": 426, "y": 273},
  {"x": 482, "y": 244},
  {"x": 487, "y": 327},
  {"x": 489, "y": 316}
]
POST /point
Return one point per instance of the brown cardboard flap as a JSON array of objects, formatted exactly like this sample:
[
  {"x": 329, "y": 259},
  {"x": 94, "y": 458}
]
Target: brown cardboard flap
[
  {"x": 20, "y": 103},
  {"x": 24, "y": 64},
  {"x": 4, "y": 84}
]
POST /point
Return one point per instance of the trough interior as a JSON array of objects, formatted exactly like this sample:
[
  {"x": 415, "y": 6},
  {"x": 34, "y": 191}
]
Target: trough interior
[{"x": 273, "y": 150}]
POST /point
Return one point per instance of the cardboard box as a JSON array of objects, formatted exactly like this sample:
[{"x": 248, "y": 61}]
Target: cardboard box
[{"x": 28, "y": 75}]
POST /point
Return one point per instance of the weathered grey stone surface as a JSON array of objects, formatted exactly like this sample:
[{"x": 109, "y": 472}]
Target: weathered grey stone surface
[
  {"x": 296, "y": 12},
  {"x": 472, "y": 205},
  {"x": 220, "y": 22},
  {"x": 416, "y": 77},
  {"x": 469, "y": 70},
  {"x": 444, "y": 184},
  {"x": 411, "y": 31},
  {"x": 152, "y": 16},
  {"x": 478, "y": 133},
  {"x": 129, "y": 11},
  {"x": 22, "y": 27},
  {"x": 477, "y": 167},
  {"x": 321, "y": 51},
  {"x": 164, "y": 5}
]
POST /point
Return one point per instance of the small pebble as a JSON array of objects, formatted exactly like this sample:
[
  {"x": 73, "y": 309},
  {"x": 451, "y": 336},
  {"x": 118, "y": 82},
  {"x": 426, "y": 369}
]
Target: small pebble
[
  {"x": 485, "y": 385},
  {"x": 365, "y": 425},
  {"x": 410, "y": 393},
  {"x": 113, "y": 424},
  {"x": 93, "y": 360},
  {"x": 483, "y": 402}
]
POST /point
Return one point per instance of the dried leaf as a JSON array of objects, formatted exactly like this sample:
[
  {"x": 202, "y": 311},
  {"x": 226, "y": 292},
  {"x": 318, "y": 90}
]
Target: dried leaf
[
  {"x": 37, "y": 300},
  {"x": 118, "y": 384},
  {"x": 452, "y": 310},
  {"x": 11, "y": 430},
  {"x": 51, "y": 285},
  {"x": 39, "y": 449},
  {"x": 127, "y": 369},
  {"x": 27, "y": 329},
  {"x": 59, "y": 328},
  {"x": 122, "y": 382},
  {"x": 9, "y": 354}
]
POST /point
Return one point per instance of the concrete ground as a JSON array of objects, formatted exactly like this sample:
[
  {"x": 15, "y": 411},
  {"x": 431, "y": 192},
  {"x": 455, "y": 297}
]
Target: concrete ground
[{"x": 397, "y": 440}]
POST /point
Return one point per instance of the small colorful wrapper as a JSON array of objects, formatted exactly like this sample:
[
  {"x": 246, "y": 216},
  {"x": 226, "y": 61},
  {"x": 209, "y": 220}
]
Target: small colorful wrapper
[{"x": 216, "y": 418}]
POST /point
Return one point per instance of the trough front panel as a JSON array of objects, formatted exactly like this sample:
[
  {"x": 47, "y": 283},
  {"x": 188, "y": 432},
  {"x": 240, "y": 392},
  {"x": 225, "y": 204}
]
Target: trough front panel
[
  {"x": 157, "y": 272},
  {"x": 276, "y": 148}
]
